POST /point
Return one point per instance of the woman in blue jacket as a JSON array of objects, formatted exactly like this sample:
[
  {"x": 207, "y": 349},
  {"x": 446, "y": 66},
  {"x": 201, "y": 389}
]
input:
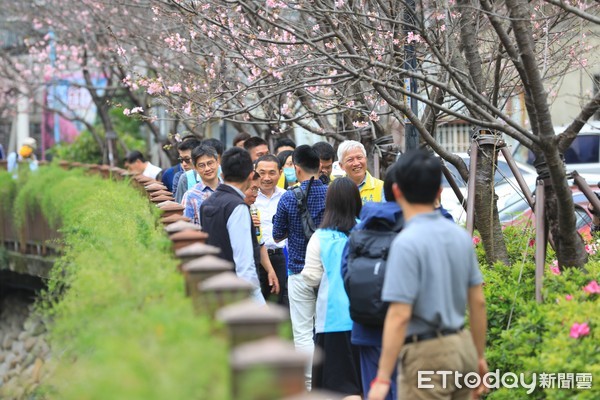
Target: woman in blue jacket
[{"x": 339, "y": 370}]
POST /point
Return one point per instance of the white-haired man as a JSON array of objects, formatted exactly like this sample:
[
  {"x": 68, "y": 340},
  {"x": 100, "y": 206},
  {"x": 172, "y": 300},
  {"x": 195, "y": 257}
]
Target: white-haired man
[
  {"x": 352, "y": 157},
  {"x": 26, "y": 154}
]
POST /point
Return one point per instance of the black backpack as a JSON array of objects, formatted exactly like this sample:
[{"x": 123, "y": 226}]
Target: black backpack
[
  {"x": 368, "y": 250},
  {"x": 308, "y": 225}
]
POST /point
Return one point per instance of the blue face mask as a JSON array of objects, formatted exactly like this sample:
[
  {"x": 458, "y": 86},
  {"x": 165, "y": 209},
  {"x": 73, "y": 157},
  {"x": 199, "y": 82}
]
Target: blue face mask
[{"x": 290, "y": 174}]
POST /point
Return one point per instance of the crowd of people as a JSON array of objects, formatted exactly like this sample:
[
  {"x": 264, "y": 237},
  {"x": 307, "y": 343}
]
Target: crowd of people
[
  {"x": 297, "y": 233},
  {"x": 376, "y": 275}
]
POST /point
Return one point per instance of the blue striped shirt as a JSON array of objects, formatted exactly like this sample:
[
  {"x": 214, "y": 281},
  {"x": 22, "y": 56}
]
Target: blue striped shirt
[{"x": 287, "y": 222}]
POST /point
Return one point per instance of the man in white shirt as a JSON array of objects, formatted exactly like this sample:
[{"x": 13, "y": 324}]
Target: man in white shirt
[
  {"x": 268, "y": 198},
  {"x": 136, "y": 162}
]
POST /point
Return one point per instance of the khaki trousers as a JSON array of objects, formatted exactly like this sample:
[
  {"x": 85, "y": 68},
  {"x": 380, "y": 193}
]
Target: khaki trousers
[{"x": 454, "y": 353}]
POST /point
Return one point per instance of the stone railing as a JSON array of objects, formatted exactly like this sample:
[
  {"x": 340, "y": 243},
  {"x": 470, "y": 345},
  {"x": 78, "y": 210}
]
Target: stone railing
[{"x": 212, "y": 286}]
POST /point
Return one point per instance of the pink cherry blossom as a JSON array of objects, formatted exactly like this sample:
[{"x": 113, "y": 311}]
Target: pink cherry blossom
[
  {"x": 568, "y": 297},
  {"x": 591, "y": 249},
  {"x": 554, "y": 268},
  {"x": 476, "y": 240},
  {"x": 579, "y": 330},
  {"x": 592, "y": 287}
]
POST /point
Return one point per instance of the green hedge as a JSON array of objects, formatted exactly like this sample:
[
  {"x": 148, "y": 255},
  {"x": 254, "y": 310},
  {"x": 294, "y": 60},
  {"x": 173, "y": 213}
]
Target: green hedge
[
  {"x": 538, "y": 337},
  {"x": 120, "y": 326}
]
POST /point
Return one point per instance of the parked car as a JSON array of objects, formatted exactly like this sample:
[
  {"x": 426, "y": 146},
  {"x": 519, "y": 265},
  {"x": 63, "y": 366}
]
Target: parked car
[
  {"x": 583, "y": 155},
  {"x": 520, "y": 214},
  {"x": 502, "y": 176}
]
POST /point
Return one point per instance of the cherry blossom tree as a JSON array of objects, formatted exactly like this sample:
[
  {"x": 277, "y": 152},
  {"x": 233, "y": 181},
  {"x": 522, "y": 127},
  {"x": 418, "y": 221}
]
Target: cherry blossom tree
[
  {"x": 352, "y": 69},
  {"x": 340, "y": 68}
]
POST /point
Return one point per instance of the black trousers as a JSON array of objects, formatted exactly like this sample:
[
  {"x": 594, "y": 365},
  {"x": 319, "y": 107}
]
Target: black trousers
[{"x": 280, "y": 267}]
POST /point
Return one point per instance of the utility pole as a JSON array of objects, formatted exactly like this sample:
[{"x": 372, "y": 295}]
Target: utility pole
[
  {"x": 411, "y": 136},
  {"x": 53, "y": 102}
]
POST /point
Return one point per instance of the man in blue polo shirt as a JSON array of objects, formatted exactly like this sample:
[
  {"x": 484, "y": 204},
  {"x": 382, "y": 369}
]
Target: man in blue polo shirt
[{"x": 287, "y": 223}]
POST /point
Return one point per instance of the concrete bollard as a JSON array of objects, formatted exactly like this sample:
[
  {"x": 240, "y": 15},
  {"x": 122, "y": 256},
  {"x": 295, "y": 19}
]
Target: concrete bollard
[
  {"x": 116, "y": 173},
  {"x": 161, "y": 199},
  {"x": 187, "y": 237},
  {"x": 143, "y": 180},
  {"x": 105, "y": 171},
  {"x": 201, "y": 269},
  {"x": 221, "y": 290},
  {"x": 248, "y": 321},
  {"x": 173, "y": 218},
  {"x": 181, "y": 226},
  {"x": 125, "y": 175},
  {"x": 92, "y": 169},
  {"x": 194, "y": 251},
  {"x": 316, "y": 395},
  {"x": 166, "y": 203},
  {"x": 172, "y": 209},
  {"x": 274, "y": 363},
  {"x": 154, "y": 187},
  {"x": 161, "y": 193}
]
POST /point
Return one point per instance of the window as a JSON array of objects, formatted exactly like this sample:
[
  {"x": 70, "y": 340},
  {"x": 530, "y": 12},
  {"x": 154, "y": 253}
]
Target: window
[{"x": 584, "y": 149}]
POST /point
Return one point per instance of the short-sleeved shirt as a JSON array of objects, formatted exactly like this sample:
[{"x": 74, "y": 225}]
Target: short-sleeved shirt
[
  {"x": 192, "y": 200},
  {"x": 288, "y": 223},
  {"x": 431, "y": 266}
]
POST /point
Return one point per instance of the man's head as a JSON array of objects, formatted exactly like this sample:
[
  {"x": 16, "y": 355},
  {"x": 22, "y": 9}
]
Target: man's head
[
  {"x": 28, "y": 147},
  {"x": 184, "y": 148},
  {"x": 206, "y": 162},
  {"x": 388, "y": 182},
  {"x": 269, "y": 170},
  {"x": 353, "y": 160},
  {"x": 257, "y": 147},
  {"x": 306, "y": 162},
  {"x": 240, "y": 138},
  {"x": 418, "y": 178},
  {"x": 135, "y": 162},
  {"x": 215, "y": 144},
  {"x": 237, "y": 167},
  {"x": 326, "y": 155},
  {"x": 252, "y": 191},
  {"x": 283, "y": 144}
]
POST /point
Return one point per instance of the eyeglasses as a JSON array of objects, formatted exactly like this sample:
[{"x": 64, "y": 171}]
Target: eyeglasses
[
  {"x": 186, "y": 160},
  {"x": 203, "y": 166},
  {"x": 254, "y": 189}
]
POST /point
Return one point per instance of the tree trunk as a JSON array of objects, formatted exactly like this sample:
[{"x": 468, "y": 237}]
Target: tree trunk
[
  {"x": 486, "y": 210},
  {"x": 559, "y": 211}
]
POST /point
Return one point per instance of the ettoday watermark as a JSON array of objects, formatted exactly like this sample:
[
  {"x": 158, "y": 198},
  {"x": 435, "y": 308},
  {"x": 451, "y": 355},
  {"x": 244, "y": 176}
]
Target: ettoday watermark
[{"x": 496, "y": 380}]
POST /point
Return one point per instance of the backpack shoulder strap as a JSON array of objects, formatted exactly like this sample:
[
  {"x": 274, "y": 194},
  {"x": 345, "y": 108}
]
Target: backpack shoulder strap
[
  {"x": 399, "y": 225},
  {"x": 299, "y": 194}
]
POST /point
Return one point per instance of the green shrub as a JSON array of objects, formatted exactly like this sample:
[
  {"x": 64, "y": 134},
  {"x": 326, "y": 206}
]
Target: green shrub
[
  {"x": 537, "y": 339},
  {"x": 120, "y": 326}
]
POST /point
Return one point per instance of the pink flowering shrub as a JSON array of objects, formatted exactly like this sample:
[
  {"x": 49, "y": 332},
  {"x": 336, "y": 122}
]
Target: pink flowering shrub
[{"x": 559, "y": 335}]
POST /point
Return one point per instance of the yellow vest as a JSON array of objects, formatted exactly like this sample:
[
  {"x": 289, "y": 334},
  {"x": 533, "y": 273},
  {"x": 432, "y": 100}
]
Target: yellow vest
[
  {"x": 281, "y": 181},
  {"x": 371, "y": 189}
]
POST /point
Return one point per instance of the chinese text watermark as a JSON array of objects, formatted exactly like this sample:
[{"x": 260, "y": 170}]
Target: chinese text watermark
[{"x": 510, "y": 380}]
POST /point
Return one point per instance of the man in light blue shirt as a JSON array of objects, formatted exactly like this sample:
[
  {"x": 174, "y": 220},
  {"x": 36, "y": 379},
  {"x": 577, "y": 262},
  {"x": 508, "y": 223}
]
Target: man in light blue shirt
[{"x": 206, "y": 163}]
